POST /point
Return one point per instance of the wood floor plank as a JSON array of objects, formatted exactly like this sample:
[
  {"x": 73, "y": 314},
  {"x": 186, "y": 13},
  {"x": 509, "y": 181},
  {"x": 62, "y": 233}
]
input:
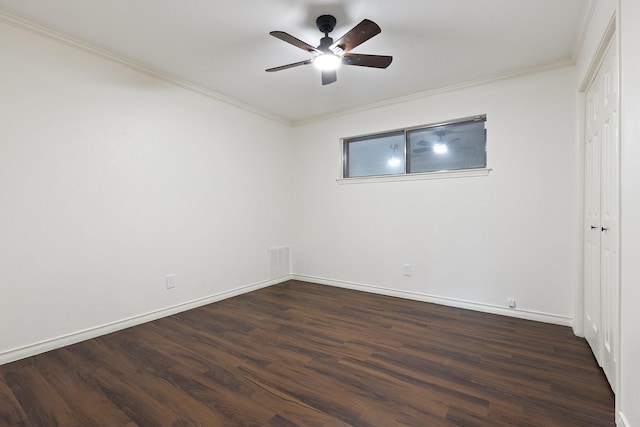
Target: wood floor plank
[
  {"x": 11, "y": 412},
  {"x": 39, "y": 400},
  {"x": 301, "y": 354},
  {"x": 89, "y": 406}
]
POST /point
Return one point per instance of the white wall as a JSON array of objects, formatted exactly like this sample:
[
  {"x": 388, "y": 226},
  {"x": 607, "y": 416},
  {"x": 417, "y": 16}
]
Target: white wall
[
  {"x": 110, "y": 180},
  {"x": 630, "y": 209},
  {"x": 472, "y": 242}
]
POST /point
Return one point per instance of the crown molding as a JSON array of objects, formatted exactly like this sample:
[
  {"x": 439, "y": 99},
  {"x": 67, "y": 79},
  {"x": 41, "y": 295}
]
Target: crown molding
[
  {"x": 585, "y": 22},
  {"x": 176, "y": 81},
  {"x": 446, "y": 89},
  {"x": 28, "y": 25}
]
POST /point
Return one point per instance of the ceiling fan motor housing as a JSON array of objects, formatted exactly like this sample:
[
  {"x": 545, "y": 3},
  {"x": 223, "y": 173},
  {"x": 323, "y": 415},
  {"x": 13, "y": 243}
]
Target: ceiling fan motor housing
[{"x": 325, "y": 42}]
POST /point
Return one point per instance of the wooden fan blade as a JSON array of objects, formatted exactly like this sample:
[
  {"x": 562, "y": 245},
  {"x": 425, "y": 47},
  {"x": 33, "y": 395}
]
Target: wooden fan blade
[
  {"x": 294, "y": 41},
  {"x": 357, "y": 35},
  {"x": 423, "y": 142},
  {"x": 329, "y": 77},
  {"x": 295, "y": 64},
  {"x": 374, "y": 61},
  {"x": 421, "y": 150}
]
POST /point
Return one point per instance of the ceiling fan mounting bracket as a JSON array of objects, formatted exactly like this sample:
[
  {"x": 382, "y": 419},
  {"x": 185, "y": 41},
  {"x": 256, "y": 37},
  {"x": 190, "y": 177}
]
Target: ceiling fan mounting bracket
[{"x": 326, "y": 23}]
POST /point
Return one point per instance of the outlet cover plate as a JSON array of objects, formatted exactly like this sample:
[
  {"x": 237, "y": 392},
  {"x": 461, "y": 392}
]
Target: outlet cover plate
[
  {"x": 171, "y": 281},
  {"x": 406, "y": 269}
]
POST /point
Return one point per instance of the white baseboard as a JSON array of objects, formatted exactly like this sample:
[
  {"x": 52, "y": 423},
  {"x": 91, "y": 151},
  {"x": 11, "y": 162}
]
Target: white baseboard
[
  {"x": 75, "y": 337},
  {"x": 452, "y": 302}
]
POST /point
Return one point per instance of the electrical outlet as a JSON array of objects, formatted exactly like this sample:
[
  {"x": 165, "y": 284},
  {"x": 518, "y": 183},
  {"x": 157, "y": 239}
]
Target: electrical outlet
[
  {"x": 171, "y": 281},
  {"x": 406, "y": 269},
  {"x": 511, "y": 302}
]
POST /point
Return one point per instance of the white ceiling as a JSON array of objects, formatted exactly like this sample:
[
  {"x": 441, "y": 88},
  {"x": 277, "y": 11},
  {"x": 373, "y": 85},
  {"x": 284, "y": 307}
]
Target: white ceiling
[{"x": 224, "y": 47}]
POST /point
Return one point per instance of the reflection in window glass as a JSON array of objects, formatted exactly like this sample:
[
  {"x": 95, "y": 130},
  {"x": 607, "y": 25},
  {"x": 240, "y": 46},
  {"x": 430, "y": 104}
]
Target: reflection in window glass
[
  {"x": 450, "y": 147},
  {"x": 375, "y": 155},
  {"x": 455, "y": 145}
]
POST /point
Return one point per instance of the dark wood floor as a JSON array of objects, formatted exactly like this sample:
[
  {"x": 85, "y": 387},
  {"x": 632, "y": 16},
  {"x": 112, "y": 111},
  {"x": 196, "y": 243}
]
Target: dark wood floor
[{"x": 299, "y": 354}]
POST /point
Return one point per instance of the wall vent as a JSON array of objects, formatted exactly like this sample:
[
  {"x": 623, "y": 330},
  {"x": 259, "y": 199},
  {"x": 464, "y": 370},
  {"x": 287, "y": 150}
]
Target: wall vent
[{"x": 280, "y": 262}]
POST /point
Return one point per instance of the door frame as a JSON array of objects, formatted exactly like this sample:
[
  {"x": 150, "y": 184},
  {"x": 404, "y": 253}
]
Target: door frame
[{"x": 609, "y": 35}]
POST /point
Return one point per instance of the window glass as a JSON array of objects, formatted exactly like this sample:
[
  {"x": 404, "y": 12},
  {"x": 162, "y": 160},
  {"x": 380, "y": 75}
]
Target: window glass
[
  {"x": 449, "y": 147},
  {"x": 455, "y": 145},
  {"x": 375, "y": 155}
]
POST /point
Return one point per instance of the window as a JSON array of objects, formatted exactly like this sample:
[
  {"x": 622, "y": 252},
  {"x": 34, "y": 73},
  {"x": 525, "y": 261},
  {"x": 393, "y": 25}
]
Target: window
[{"x": 451, "y": 146}]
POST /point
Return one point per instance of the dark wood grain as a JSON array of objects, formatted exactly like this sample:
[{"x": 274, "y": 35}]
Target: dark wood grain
[{"x": 300, "y": 354}]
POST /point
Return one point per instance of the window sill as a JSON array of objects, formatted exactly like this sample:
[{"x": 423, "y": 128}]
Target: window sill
[{"x": 416, "y": 176}]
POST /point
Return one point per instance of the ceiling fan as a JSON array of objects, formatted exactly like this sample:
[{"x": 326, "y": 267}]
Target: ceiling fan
[
  {"x": 329, "y": 54},
  {"x": 439, "y": 146}
]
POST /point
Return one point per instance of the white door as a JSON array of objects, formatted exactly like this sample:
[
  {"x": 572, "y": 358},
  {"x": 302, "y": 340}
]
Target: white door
[
  {"x": 602, "y": 260},
  {"x": 592, "y": 220},
  {"x": 610, "y": 215}
]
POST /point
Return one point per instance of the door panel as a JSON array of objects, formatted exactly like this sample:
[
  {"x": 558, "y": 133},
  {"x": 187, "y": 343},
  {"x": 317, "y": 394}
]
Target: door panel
[
  {"x": 610, "y": 207},
  {"x": 592, "y": 221},
  {"x": 602, "y": 228}
]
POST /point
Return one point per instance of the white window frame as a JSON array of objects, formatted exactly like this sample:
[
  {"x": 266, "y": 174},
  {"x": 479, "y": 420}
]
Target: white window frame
[{"x": 405, "y": 176}]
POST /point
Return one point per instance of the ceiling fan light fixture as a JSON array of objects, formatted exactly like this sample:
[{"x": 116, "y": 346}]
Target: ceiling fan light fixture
[
  {"x": 327, "y": 61},
  {"x": 394, "y": 162},
  {"x": 440, "y": 148}
]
